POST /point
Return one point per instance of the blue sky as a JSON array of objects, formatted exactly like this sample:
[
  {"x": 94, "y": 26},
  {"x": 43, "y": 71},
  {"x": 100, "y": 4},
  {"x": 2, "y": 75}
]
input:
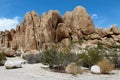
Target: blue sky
[{"x": 103, "y": 12}]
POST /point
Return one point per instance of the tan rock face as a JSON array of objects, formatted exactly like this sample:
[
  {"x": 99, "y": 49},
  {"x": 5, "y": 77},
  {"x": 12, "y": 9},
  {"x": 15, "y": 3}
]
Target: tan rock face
[
  {"x": 103, "y": 32},
  {"x": 68, "y": 18},
  {"x": 29, "y": 33},
  {"x": 32, "y": 23},
  {"x": 6, "y": 38},
  {"x": 116, "y": 38},
  {"x": 53, "y": 19},
  {"x": 62, "y": 32},
  {"x": 8, "y": 52},
  {"x": 115, "y": 29},
  {"x": 81, "y": 21},
  {"x": 36, "y": 33}
]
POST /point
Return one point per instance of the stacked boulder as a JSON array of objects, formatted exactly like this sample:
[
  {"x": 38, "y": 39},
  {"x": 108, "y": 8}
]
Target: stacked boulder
[{"x": 36, "y": 33}]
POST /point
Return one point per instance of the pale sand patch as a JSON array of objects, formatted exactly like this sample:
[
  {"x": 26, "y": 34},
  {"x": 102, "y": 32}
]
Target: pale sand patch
[{"x": 35, "y": 72}]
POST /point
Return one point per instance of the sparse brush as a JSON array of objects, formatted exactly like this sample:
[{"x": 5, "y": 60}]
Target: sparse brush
[
  {"x": 90, "y": 57},
  {"x": 74, "y": 69},
  {"x": 57, "y": 60},
  {"x": 106, "y": 66},
  {"x": 2, "y": 59}
]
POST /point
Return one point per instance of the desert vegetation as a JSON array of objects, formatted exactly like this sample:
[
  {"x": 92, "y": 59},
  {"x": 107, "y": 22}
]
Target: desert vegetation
[
  {"x": 59, "y": 61},
  {"x": 106, "y": 66},
  {"x": 2, "y": 58}
]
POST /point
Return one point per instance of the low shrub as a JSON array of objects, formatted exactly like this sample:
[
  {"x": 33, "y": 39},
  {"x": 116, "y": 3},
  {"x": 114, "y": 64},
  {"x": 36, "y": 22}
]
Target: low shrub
[
  {"x": 113, "y": 54},
  {"x": 90, "y": 57},
  {"x": 2, "y": 59},
  {"x": 106, "y": 66},
  {"x": 57, "y": 60},
  {"x": 74, "y": 69}
]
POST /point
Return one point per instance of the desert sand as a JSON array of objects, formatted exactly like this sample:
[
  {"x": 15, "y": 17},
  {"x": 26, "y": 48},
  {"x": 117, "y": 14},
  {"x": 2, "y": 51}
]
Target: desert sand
[{"x": 36, "y": 72}]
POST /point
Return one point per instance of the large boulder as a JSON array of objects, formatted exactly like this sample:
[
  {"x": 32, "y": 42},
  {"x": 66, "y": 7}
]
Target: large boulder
[
  {"x": 103, "y": 32},
  {"x": 107, "y": 41},
  {"x": 62, "y": 32},
  {"x": 115, "y": 29},
  {"x": 30, "y": 40},
  {"x": 8, "y": 52},
  {"x": 53, "y": 18},
  {"x": 81, "y": 21},
  {"x": 68, "y": 18},
  {"x": 116, "y": 37},
  {"x": 32, "y": 56},
  {"x": 13, "y": 64}
]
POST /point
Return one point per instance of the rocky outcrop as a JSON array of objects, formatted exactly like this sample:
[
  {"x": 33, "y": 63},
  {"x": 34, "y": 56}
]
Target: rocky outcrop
[
  {"x": 81, "y": 21},
  {"x": 62, "y": 32},
  {"x": 115, "y": 29},
  {"x": 36, "y": 33},
  {"x": 7, "y": 51}
]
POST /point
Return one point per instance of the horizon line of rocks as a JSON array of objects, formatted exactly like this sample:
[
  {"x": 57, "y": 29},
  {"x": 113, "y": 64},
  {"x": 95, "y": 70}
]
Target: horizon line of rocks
[{"x": 37, "y": 32}]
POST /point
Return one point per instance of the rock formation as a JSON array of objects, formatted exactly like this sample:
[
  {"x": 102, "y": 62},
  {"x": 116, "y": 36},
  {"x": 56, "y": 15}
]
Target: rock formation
[{"x": 37, "y": 32}]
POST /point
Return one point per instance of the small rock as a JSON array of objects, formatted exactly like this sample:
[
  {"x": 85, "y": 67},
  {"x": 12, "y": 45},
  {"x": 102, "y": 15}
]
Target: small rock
[
  {"x": 13, "y": 64},
  {"x": 95, "y": 69}
]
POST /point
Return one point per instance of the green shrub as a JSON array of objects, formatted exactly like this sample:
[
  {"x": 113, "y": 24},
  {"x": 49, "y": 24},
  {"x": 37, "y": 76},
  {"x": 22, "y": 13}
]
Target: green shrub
[
  {"x": 113, "y": 54},
  {"x": 57, "y": 60},
  {"x": 2, "y": 59},
  {"x": 90, "y": 57}
]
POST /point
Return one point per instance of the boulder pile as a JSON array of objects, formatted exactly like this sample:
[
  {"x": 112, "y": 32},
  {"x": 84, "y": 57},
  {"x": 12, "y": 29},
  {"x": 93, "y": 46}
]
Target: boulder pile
[{"x": 36, "y": 33}]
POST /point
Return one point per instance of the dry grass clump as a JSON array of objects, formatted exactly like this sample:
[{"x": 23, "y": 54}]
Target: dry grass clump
[
  {"x": 106, "y": 66},
  {"x": 74, "y": 69}
]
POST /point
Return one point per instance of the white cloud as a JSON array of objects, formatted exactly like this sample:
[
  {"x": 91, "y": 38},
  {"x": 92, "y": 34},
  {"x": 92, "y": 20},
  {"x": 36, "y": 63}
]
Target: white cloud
[
  {"x": 7, "y": 23},
  {"x": 94, "y": 16}
]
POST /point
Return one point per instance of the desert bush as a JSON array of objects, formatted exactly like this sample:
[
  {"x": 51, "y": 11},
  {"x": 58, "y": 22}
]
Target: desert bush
[
  {"x": 90, "y": 57},
  {"x": 57, "y": 60},
  {"x": 106, "y": 66},
  {"x": 2, "y": 59},
  {"x": 74, "y": 69},
  {"x": 113, "y": 54},
  {"x": 31, "y": 56}
]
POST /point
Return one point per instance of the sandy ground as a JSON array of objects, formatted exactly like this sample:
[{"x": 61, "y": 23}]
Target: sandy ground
[{"x": 35, "y": 72}]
